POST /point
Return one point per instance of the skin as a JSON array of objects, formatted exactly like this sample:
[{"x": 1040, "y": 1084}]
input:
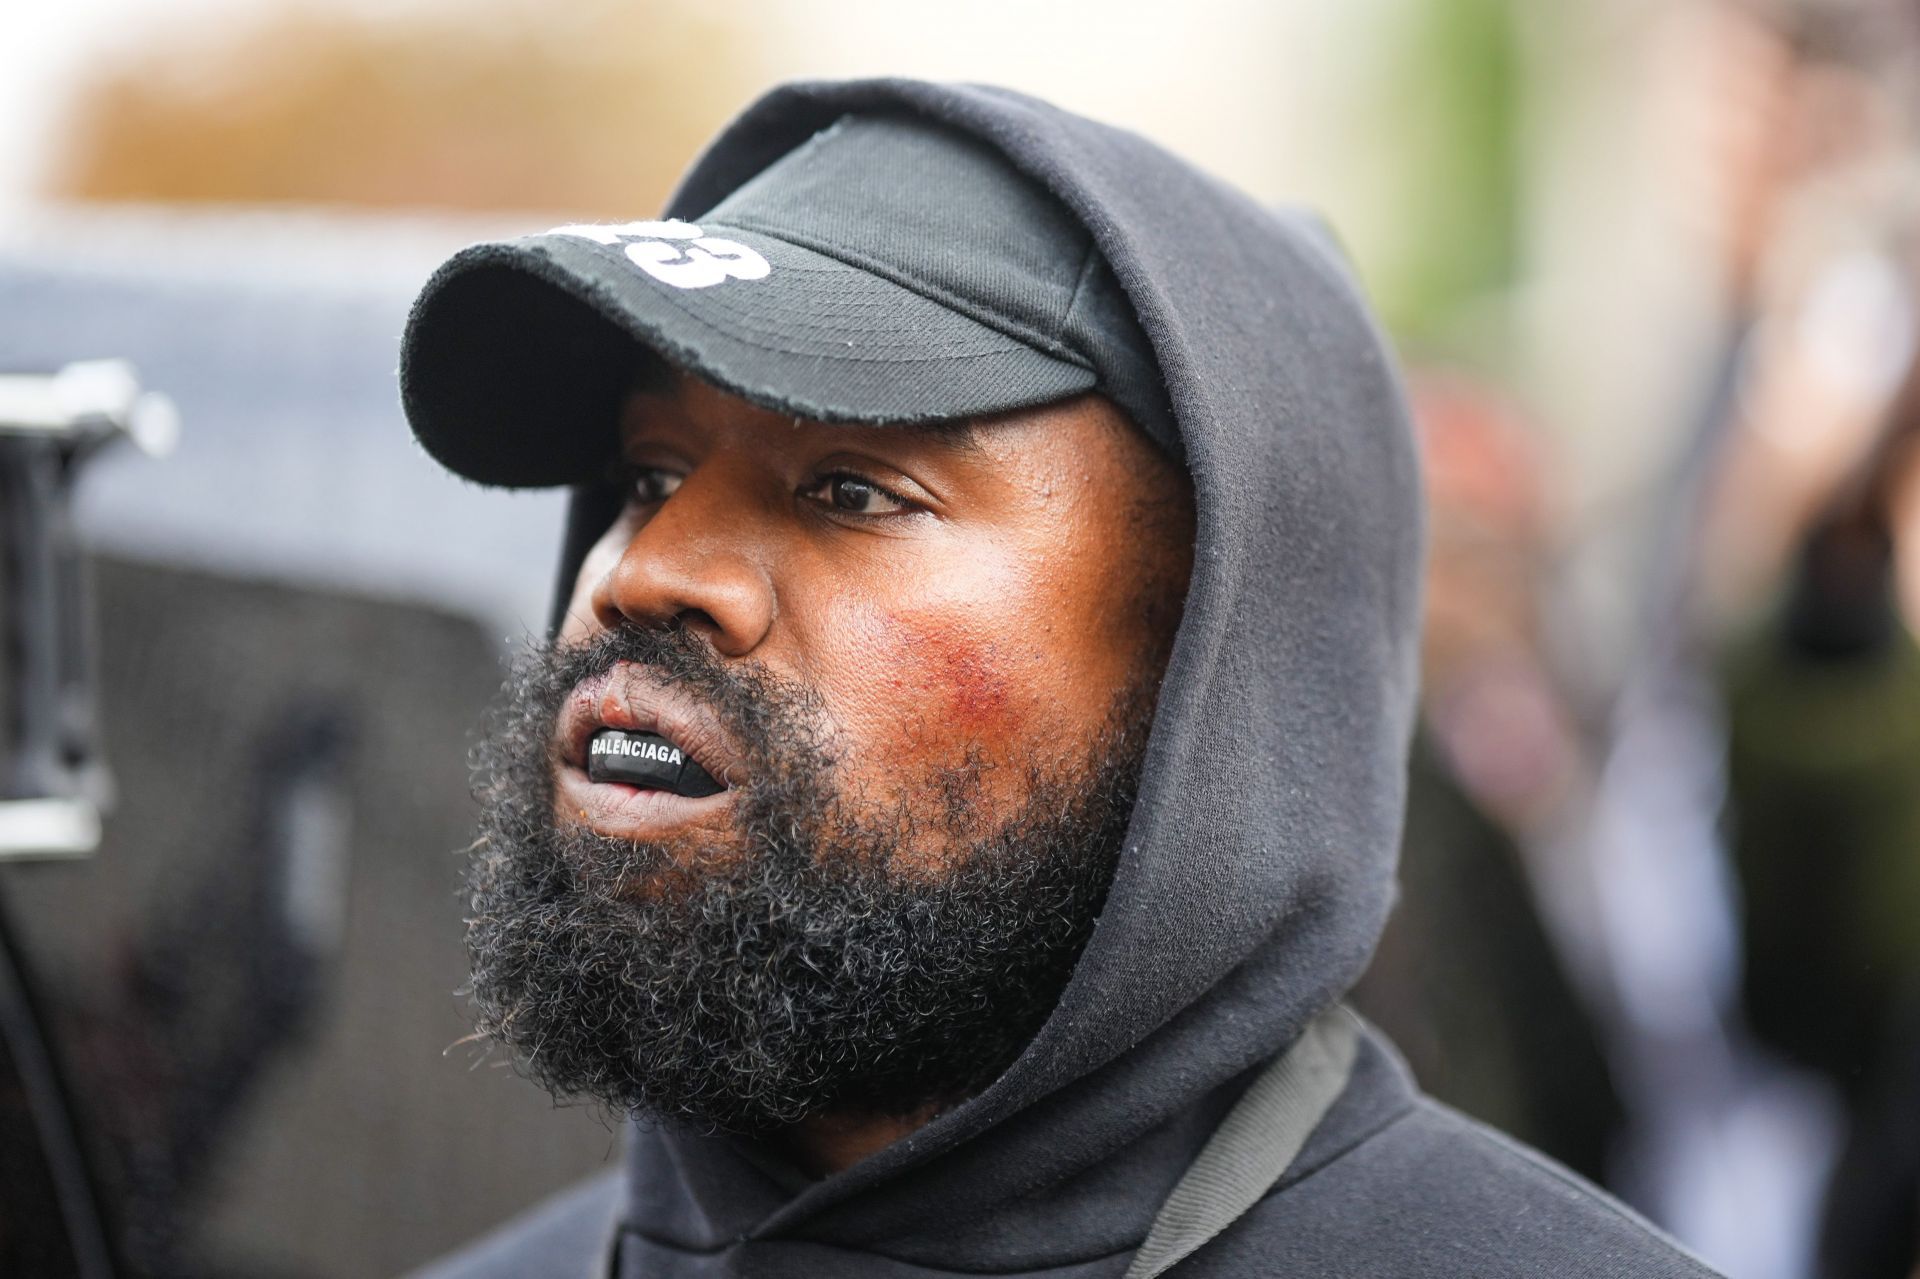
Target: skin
[{"x": 950, "y": 593}]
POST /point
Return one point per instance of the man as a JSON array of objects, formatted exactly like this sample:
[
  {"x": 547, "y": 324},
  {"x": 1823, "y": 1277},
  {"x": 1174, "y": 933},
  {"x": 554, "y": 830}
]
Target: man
[{"x": 993, "y": 571}]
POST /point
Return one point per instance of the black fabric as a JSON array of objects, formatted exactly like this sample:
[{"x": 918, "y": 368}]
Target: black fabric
[
  {"x": 895, "y": 272},
  {"x": 1259, "y": 864}
]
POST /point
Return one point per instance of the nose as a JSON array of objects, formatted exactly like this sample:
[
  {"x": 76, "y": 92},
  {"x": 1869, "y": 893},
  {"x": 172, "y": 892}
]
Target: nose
[{"x": 699, "y": 559}]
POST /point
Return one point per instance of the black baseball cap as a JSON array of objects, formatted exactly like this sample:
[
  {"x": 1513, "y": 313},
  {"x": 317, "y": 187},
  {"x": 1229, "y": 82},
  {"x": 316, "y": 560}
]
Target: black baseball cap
[{"x": 888, "y": 270}]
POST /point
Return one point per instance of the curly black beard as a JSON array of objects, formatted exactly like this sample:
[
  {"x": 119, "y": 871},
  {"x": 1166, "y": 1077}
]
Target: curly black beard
[{"x": 798, "y": 970}]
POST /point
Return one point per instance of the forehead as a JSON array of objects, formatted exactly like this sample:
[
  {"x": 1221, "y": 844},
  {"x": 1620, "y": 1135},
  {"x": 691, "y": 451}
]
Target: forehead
[{"x": 668, "y": 399}]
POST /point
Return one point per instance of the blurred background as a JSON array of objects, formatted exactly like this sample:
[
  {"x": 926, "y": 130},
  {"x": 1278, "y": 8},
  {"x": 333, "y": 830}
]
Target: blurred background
[{"x": 1652, "y": 267}]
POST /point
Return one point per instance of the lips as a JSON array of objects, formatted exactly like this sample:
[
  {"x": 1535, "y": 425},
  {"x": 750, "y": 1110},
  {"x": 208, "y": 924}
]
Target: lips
[{"x": 628, "y": 699}]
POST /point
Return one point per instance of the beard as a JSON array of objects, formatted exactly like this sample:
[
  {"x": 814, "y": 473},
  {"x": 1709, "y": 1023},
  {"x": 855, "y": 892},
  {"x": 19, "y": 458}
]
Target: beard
[{"x": 805, "y": 966}]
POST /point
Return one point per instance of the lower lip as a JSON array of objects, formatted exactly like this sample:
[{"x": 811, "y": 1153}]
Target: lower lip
[{"x": 634, "y": 812}]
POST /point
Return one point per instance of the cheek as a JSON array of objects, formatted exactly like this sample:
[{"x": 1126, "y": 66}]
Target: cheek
[
  {"x": 1013, "y": 666},
  {"x": 965, "y": 673},
  {"x": 942, "y": 673},
  {"x": 919, "y": 694},
  {"x": 962, "y": 663}
]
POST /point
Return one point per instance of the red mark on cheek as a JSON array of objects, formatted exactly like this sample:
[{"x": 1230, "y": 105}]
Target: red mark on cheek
[
  {"x": 951, "y": 661},
  {"x": 978, "y": 689}
]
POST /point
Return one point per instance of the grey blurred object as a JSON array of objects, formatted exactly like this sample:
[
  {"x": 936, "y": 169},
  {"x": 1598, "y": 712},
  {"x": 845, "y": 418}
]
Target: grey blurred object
[
  {"x": 254, "y": 978},
  {"x": 53, "y": 781},
  {"x": 276, "y": 334},
  {"x": 51, "y": 425}
]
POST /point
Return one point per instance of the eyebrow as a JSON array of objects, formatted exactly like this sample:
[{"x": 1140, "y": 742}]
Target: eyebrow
[
  {"x": 962, "y": 435},
  {"x": 656, "y": 376}
]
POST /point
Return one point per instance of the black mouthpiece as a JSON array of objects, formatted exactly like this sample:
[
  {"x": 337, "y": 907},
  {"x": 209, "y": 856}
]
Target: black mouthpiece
[{"x": 647, "y": 759}]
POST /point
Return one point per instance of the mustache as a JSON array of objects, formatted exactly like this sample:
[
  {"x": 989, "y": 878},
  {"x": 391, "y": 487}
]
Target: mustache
[
  {"x": 672, "y": 652},
  {"x": 778, "y": 726},
  {"x": 755, "y": 706}
]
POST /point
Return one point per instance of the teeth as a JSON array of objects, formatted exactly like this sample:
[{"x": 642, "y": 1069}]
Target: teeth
[{"x": 646, "y": 759}]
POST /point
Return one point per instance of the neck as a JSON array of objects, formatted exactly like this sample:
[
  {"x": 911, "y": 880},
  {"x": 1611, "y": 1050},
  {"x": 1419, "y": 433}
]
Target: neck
[{"x": 822, "y": 1145}]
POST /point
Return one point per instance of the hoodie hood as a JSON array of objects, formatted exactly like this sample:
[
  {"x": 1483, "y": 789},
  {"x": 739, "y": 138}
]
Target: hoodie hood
[{"x": 1258, "y": 867}]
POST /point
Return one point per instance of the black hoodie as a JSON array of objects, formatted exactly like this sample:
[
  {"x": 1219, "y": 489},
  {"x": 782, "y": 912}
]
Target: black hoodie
[{"x": 1258, "y": 868}]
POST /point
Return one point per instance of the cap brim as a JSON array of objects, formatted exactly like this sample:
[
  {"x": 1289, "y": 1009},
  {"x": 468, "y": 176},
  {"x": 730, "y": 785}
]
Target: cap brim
[{"x": 518, "y": 354}]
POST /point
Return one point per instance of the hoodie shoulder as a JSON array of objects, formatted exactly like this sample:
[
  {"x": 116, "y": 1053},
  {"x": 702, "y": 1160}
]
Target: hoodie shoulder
[
  {"x": 1435, "y": 1194},
  {"x": 566, "y": 1237}
]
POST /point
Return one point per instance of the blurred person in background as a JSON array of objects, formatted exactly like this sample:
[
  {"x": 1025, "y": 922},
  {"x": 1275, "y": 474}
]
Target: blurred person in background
[
  {"x": 1019, "y": 531},
  {"x": 1759, "y": 823},
  {"x": 1804, "y": 540}
]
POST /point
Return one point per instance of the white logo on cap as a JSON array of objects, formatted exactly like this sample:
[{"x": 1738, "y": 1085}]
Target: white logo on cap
[{"x": 677, "y": 253}]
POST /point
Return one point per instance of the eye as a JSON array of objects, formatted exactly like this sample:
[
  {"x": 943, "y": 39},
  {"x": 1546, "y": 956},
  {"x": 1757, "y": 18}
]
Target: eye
[
  {"x": 856, "y": 496},
  {"x": 653, "y": 484}
]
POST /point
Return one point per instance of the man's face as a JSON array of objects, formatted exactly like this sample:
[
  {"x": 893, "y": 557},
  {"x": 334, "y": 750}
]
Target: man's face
[
  {"x": 946, "y": 594},
  {"x": 923, "y": 661}
]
